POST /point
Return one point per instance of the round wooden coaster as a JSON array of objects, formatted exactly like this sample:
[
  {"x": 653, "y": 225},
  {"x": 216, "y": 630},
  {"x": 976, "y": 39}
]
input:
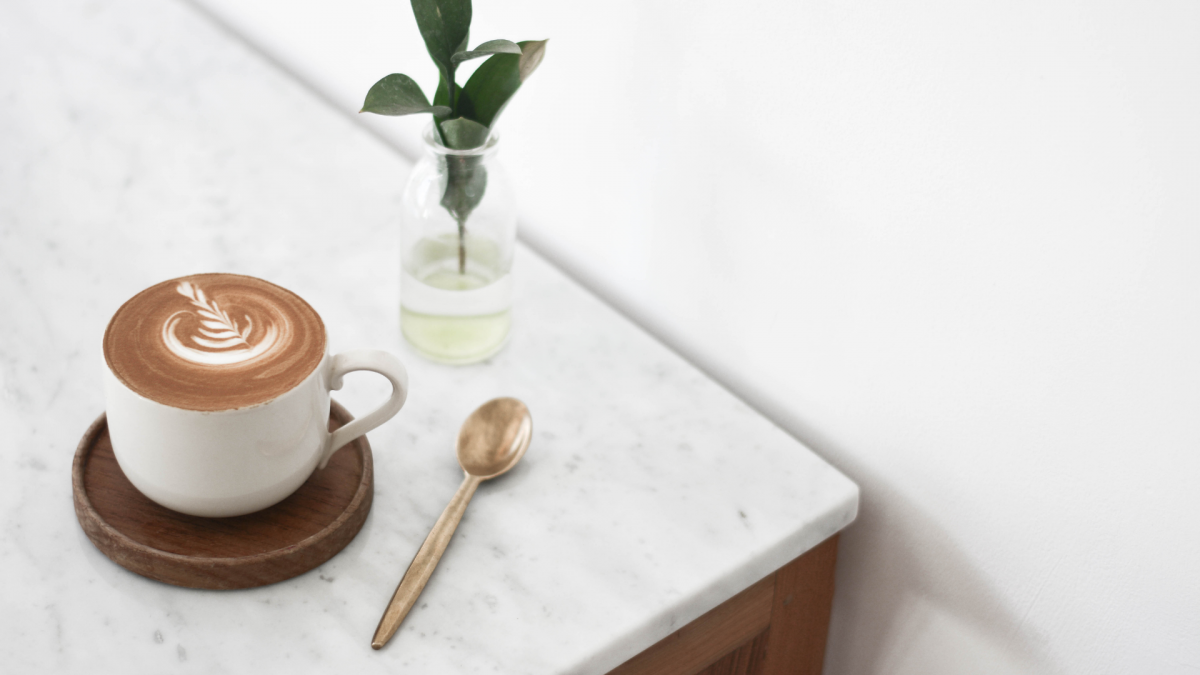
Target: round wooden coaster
[{"x": 277, "y": 543}]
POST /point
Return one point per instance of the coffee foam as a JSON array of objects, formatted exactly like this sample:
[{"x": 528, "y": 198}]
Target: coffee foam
[{"x": 214, "y": 342}]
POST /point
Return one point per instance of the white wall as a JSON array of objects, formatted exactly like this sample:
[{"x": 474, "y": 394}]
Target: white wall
[{"x": 954, "y": 247}]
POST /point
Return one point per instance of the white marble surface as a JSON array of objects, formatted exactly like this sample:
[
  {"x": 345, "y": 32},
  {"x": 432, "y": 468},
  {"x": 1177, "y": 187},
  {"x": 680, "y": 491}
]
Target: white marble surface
[{"x": 140, "y": 143}]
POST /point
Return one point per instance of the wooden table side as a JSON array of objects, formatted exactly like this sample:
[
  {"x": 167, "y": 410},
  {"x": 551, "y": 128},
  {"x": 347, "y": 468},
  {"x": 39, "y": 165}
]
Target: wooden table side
[{"x": 778, "y": 626}]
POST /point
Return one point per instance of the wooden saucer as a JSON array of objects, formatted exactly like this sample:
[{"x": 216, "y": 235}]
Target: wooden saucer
[{"x": 277, "y": 543}]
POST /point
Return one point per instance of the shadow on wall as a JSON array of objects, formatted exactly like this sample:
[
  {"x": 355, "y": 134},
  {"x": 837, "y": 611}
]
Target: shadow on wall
[{"x": 908, "y": 601}]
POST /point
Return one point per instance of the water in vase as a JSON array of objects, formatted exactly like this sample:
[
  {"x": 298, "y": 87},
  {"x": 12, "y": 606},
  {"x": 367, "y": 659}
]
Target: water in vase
[{"x": 452, "y": 316}]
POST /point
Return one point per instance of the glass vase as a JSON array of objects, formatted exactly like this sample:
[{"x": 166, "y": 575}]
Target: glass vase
[{"x": 457, "y": 236}]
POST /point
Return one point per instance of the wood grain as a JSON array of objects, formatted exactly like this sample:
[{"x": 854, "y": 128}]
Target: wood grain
[
  {"x": 277, "y": 543},
  {"x": 704, "y": 641},
  {"x": 745, "y": 660},
  {"x": 800, "y": 613}
]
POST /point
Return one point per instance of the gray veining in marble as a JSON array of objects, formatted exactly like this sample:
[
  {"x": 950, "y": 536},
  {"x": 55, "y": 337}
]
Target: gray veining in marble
[{"x": 138, "y": 143}]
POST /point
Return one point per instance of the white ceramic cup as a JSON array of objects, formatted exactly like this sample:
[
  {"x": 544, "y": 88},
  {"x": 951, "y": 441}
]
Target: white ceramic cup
[{"x": 233, "y": 462}]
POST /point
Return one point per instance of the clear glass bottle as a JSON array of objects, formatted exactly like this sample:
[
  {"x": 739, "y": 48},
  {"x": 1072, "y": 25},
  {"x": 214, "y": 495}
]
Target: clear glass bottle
[{"x": 456, "y": 240}]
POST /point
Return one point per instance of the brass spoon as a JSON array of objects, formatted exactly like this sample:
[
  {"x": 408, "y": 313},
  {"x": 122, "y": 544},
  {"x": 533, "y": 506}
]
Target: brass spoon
[{"x": 490, "y": 442}]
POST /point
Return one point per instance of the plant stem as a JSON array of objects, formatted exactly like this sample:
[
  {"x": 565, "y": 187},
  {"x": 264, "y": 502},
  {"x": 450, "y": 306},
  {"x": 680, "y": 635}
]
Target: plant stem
[
  {"x": 462, "y": 246},
  {"x": 437, "y": 124}
]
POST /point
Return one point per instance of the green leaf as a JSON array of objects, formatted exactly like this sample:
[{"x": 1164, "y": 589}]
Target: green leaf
[
  {"x": 466, "y": 176},
  {"x": 466, "y": 182},
  {"x": 486, "y": 49},
  {"x": 464, "y": 134},
  {"x": 398, "y": 94},
  {"x": 493, "y": 84},
  {"x": 444, "y": 25}
]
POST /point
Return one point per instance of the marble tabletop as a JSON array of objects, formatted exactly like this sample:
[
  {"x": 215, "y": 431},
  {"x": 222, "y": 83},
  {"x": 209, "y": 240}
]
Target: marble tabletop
[{"x": 139, "y": 143}]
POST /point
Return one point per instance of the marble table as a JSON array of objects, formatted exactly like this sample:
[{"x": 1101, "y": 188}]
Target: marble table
[{"x": 141, "y": 143}]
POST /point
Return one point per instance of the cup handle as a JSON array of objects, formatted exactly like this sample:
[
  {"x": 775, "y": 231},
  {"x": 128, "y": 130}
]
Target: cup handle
[{"x": 377, "y": 362}]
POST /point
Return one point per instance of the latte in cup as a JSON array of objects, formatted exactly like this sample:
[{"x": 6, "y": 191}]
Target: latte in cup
[
  {"x": 217, "y": 393},
  {"x": 214, "y": 342}
]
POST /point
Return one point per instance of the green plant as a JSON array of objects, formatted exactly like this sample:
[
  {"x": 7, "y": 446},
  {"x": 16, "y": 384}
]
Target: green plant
[{"x": 463, "y": 116}]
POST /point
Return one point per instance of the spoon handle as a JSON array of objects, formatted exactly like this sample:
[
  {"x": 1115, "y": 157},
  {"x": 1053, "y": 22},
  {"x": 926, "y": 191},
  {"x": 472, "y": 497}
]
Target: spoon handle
[{"x": 424, "y": 563}]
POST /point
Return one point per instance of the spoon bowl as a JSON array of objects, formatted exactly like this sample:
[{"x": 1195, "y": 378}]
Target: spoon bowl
[{"x": 494, "y": 438}]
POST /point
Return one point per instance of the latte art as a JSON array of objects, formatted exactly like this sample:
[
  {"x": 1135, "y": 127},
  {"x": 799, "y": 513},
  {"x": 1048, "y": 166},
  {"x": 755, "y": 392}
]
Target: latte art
[
  {"x": 221, "y": 340},
  {"x": 214, "y": 342}
]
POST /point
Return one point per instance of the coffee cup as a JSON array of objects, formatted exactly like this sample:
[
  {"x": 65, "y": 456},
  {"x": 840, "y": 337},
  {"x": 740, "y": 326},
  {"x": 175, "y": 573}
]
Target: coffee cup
[{"x": 217, "y": 393}]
